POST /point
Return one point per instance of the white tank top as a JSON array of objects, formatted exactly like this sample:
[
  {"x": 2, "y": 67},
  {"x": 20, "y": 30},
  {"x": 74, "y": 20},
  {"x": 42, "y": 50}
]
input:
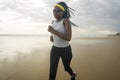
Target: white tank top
[{"x": 58, "y": 41}]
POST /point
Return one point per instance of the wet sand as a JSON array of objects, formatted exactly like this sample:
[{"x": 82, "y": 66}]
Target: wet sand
[{"x": 93, "y": 59}]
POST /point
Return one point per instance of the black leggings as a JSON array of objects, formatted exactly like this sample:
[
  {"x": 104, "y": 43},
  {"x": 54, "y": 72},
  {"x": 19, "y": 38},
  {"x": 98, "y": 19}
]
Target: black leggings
[{"x": 66, "y": 56}]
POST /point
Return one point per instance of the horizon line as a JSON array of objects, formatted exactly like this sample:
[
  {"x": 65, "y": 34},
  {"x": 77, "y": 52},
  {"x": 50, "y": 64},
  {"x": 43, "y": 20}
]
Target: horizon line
[{"x": 23, "y": 34}]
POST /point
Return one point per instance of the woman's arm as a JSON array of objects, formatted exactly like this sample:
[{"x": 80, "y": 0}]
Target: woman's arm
[{"x": 68, "y": 32}]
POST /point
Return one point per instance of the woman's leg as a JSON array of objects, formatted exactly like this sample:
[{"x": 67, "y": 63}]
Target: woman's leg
[
  {"x": 54, "y": 59},
  {"x": 66, "y": 59}
]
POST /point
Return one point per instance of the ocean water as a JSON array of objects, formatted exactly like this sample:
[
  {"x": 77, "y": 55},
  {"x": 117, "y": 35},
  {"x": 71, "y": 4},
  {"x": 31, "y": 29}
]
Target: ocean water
[{"x": 11, "y": 45}]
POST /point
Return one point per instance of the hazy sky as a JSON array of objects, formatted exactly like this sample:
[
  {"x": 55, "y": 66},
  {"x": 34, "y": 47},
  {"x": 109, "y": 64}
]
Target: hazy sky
[{"x": 94, "y": 17}]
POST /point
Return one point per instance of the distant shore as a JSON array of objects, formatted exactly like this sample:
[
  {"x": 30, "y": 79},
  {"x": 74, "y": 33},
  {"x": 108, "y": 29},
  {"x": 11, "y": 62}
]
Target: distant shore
[{"x": 116, "y": 34}]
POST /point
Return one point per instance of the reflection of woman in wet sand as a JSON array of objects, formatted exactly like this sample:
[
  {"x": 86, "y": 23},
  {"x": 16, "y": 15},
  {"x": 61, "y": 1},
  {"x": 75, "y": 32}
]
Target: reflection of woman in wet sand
[{"x": 61, "y": 35}]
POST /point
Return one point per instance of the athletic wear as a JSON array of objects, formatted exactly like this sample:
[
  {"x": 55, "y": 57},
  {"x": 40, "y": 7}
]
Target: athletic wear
[
  {"x": 66, "y": 56},
  {"x": 59, "y": 42},
  {"x": 61, "y": 49}
]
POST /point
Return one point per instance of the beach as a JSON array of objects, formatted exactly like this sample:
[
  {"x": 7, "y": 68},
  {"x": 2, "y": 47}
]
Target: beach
[{"x": 93, "y": 59}]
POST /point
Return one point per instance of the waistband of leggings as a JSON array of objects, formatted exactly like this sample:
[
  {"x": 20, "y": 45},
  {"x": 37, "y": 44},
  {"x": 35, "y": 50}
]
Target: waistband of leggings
[{"x": 61, "y": 47}]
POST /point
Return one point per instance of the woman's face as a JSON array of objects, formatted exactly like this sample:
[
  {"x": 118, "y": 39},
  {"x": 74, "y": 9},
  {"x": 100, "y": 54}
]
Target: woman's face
[{"x": 57, "y": 12}]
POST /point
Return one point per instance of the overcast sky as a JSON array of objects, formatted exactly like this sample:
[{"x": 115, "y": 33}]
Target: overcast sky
[{"x": 94, "y": 17}]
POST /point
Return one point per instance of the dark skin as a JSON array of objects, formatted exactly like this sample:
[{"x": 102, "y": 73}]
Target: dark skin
[{"x": 67, "y": 25}]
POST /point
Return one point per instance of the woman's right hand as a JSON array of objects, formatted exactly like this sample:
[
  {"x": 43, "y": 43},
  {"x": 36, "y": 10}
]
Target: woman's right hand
[
  {"x": 51, "y": 38},
  {"x": 51, "y": 29}
]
